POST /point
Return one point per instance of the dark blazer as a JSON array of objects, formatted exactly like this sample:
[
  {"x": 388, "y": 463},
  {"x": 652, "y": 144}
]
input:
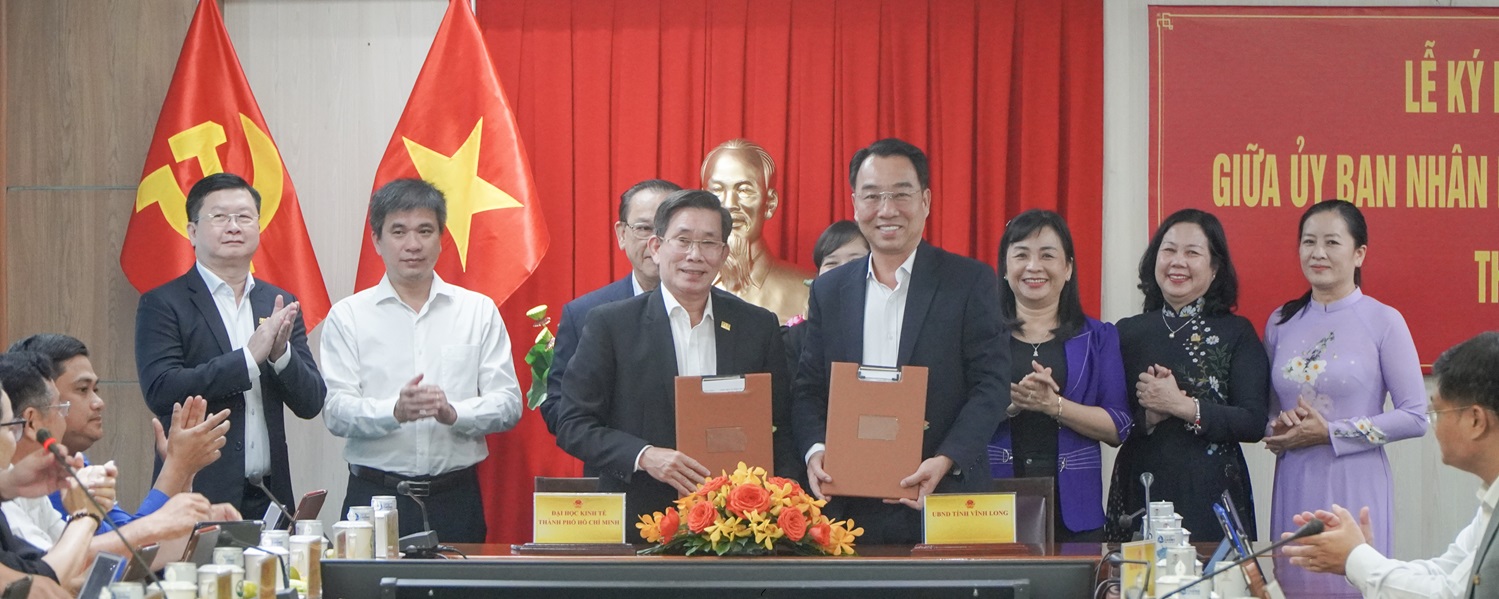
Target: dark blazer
[
  {"x": 952, "y": 327},
  {"x": 1485, "y": 565},
  {"x": 182, "y": 349},
  {"x": 573, "y": 315},
  {"x": 618, "y": 394}
]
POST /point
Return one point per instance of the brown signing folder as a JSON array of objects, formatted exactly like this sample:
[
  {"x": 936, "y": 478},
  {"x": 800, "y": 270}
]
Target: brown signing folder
[
  {"x": 876, "y": 422},
  {"x": 724, "y": 420}
]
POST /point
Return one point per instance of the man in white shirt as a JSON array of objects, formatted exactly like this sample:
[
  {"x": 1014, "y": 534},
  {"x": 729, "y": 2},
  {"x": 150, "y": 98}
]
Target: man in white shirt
[
  {"x": 617, "y": 411},
  {"x": 418, "y": 372},
  {"x": 1465, "y": 419},
  {"x": 637, "y": 210},
  {"x": 240, "y": 343}
]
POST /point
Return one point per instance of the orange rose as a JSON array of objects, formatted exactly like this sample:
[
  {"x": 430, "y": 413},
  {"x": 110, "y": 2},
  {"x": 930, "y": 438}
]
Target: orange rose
[
  {"x": 821, "y": 533},
  {"x": 793, "y": 523},
  {"x": 712, "y": 485},
  {"x": 778, "y": 482},
  {"x": 748, "y": 498},
  {"x": 669, "y": 523},
  {"x": 701, "y": 517}
]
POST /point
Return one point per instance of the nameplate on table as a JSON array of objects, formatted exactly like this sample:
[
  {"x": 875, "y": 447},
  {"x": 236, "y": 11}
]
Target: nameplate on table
[
  {"x": 579, "y": 518},
  {"x": 967, "y": 518}
]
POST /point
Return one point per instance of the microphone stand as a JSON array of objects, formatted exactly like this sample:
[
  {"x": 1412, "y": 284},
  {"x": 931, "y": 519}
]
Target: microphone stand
[
  {"x": 258, "y": 482},
  {"x": 424, "y": 544},
  {"x": 49, "y": 445},
  {"x": 1311, "y": 528}
]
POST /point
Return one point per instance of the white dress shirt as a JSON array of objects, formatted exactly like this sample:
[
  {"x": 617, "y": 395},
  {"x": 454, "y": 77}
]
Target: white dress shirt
[
  {"x": 34, "y": 520},
  {"x": 635, "y": 288},
  {"x": 239, "y": 322},
  {"x": 373, "y": 344},
  {"x": 884, "y": 313},
  {"x": 1445, "y": 576},
  {"x": 696, "y": 349},
  {"x": 696, "y": 353}
]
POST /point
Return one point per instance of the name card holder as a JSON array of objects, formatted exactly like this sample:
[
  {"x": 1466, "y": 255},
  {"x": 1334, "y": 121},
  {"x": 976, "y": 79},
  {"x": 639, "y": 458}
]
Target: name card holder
[
  {"x": 577, "y": 524},
  {"x": 969, "y": 524}
]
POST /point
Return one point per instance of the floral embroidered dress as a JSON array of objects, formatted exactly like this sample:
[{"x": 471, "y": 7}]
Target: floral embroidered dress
[
  {"x": 1219, "y": 361},
  {"x": 1343, "y": 358}
]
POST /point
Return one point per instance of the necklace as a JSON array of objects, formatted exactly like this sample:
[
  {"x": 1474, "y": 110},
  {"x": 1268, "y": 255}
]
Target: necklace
[
  {"x": 1175, "y": 330},
  {"x": 1035, "y": 347}
]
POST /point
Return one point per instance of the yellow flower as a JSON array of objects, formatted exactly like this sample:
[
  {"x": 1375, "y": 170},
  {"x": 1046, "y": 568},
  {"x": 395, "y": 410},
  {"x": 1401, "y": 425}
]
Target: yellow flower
[
  {"x": 1196, "y": 338},
  {"x": 841, "y": 539},
  {"x": 766, "y": 533},
  {"x": 650, "y": 528},
  {"x": 727, "y": 529}
]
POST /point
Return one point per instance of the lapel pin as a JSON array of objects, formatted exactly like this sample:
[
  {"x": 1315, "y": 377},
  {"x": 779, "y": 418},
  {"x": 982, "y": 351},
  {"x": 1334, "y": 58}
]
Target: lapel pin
[
  {"x": 725, "y": 325},
  {"x": 260, "y": 322}
]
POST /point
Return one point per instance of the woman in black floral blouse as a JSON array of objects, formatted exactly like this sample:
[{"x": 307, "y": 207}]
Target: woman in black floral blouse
[{"x": 1199, "y": 382}]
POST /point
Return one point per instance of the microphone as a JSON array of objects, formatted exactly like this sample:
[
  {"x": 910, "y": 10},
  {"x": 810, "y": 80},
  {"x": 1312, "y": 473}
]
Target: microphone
[
  {"x": 49, "y": 445},
  {"x": 422, "y": 544},
  {"x": 1310, "y": 528},
  {"x": 258, "y": 482},
  {"x": 1146, "y": 479},
  {"x": 1127, "y": 521}
]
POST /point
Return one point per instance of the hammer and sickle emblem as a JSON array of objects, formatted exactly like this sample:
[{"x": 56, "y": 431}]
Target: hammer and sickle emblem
[{"x": 201, "y": 142}]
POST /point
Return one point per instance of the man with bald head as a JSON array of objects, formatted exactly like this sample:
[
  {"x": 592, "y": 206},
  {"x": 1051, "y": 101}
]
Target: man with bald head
[{"x": 738, "y": 171}]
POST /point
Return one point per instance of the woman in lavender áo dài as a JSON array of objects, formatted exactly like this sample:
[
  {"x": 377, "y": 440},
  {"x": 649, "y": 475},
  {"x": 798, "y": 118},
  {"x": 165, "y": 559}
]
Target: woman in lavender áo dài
[{"x": 1334, "y": 354}]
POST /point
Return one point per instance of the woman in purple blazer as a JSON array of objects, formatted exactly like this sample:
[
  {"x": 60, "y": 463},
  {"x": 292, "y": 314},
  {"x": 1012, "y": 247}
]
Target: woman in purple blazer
[{"x": 1067, "y": 379}]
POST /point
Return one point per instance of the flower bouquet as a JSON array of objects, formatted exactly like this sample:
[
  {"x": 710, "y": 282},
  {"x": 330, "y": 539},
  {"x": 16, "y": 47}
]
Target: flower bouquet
[{"x": 747, "y": 513}]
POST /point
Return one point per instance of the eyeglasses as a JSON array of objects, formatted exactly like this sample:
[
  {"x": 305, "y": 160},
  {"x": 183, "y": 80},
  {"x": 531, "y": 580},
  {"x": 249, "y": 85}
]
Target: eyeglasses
[
  {"x": 639, "y": 231},
  {"x": 16, "y": 422},
  {"x": 244, "y": 221},
  {"x": 1431, "y": 415},
  {"x": 62, "y": 408},
  {"x": 875, "y": 198},
  {"x": 710, "y": 248}
]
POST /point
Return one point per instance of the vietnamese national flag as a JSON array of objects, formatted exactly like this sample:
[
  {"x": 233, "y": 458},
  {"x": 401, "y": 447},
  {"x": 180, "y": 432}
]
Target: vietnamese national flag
[
  {"x": 210, "y": 123},
  {"x": 458, "y": 133}
]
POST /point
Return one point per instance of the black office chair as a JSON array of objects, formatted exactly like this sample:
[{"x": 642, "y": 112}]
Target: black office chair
[{"x": 1035, "y": 502}]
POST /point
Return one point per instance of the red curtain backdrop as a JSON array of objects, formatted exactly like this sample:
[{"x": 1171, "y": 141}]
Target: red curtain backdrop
[{"x": 1005, "y": 96}]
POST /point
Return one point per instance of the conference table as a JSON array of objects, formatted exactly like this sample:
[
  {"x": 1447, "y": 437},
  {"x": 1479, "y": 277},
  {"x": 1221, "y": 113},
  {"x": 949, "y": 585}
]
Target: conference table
[{"x": 1061, "y": 571}]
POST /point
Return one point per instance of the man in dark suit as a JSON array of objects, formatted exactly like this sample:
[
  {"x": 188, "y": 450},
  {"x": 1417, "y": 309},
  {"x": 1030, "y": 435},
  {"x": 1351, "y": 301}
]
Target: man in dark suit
[
  {"x": 908, "y": 304},
  {"x": 238, "y": 342},
  {"x": 617, "y": 411},
  {"x": 637, "y": 208}
]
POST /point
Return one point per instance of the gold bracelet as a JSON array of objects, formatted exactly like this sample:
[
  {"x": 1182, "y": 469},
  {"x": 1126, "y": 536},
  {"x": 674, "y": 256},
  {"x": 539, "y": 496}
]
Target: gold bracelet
[{"x": 1059, "y": 409}]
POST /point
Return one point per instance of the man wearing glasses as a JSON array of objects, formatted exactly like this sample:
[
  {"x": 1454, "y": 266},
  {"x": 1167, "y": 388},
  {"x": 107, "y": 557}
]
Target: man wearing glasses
[
  {"x": 909, "y": 303},
  {"x": 617, "y": 406},
  {"x": 1464, "y": 417},
  {"x": 240, "y": 343},
  {"x": 419, "y": 371},
  {"x": 196, "y": 437},
  {"x": 28, "y": 380},
  {"x": 637, "y": 206},
  {"x": 33, "y": 476}
]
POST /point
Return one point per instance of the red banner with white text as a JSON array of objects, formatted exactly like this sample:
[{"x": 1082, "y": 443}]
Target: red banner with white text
[{"x": 1256, "y": 113}]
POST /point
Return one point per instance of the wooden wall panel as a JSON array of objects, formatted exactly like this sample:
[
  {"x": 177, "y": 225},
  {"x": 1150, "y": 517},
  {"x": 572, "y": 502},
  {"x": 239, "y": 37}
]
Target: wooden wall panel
[
  {"x": 87, "y": 80},
  {"x": 84, "y": 83}
]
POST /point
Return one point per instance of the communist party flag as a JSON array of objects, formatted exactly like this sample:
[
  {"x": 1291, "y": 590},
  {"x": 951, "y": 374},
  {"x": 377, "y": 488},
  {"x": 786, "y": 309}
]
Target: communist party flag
[
  {"x": 210, "y": 123},
  {"x": 458, "y": 133}
]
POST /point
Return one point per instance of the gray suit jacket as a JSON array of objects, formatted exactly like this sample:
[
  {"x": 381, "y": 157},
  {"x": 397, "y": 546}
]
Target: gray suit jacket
[{"x": 1485, "y": 579}]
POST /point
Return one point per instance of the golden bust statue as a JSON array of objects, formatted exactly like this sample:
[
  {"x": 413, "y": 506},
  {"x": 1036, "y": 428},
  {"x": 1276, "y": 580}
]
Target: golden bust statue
[{"x": 738, "y": 171}]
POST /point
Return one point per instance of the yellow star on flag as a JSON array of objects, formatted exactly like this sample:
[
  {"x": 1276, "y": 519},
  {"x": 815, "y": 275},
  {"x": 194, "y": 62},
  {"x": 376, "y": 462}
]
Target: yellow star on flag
[{"x": 458, "y": 178}]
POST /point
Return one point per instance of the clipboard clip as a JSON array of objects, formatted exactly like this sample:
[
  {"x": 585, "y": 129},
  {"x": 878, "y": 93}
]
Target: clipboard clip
[
  {"x": 879, "y": 374},
  {"x": 723, "y": 384}
]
